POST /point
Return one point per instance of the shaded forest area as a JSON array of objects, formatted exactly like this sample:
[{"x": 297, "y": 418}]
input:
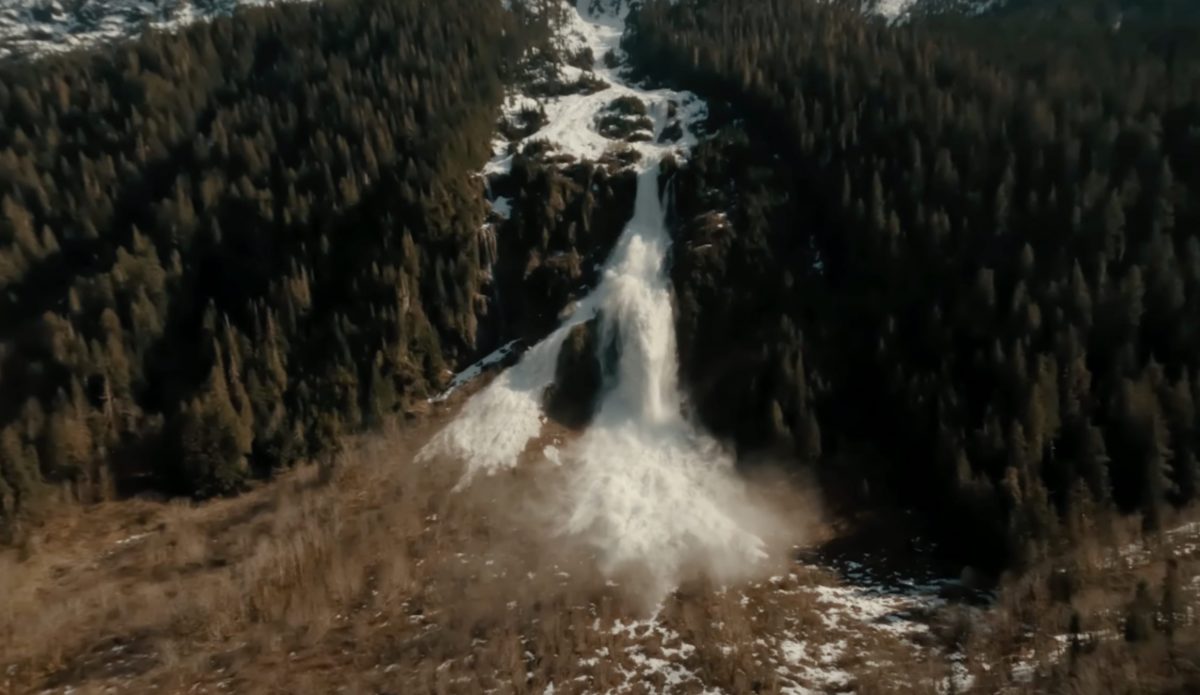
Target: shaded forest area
[
  {"x": 223, "y": 248},
  {"x": 965, "y": 273}
]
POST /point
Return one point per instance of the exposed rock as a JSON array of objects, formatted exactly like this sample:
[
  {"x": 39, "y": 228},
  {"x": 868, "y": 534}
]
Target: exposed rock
[
  {"x": 672, "y": 132},
  {"x": 523, "y": 123},
  {"x": 564, "y": 222},
  {"x": 583, "y": 59},
  {"x": 571, "y": 399},
  {"x": 625, "y": 118},
  {"x": 627, "y": 106},
  {"x": 629, "y": 128},
  {"x": 620, "y": 157},
  {"x": 586, "y": 83}
]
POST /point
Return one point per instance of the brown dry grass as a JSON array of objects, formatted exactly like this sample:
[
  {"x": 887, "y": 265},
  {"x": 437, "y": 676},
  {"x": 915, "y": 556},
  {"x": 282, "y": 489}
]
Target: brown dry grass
[
  {"x": 1029, "y": 623},
  {"x": 143, "y": 594},
  {"x": 139, "y": 588},
  {"x": 377, "y": 581},
  {"x": 381, "y": 581}
]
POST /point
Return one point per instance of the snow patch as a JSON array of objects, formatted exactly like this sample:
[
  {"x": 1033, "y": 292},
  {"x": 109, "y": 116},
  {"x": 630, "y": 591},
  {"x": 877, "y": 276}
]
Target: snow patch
[
  {"x": 31, "y": 29},
  {"x": 474, "y": 371}
]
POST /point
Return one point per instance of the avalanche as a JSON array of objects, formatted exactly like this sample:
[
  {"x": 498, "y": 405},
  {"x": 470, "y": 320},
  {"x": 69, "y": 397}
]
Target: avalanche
[{"x": 648, "y": 492}]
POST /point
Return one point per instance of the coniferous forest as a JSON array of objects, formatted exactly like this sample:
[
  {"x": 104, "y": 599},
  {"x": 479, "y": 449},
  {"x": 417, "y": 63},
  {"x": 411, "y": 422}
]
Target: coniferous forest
[
  {"x": 224, "y": 249},
  {"x": 963, "y": 267}
]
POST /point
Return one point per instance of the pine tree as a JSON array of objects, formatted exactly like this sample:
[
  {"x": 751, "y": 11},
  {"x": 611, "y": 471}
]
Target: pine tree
[
  {"x": 19, "y": 473},
  {"x": 212, "y": 446},
  {"x": 68, "y": 443},
  {"x": 1139, "y": 615},
  {"x": 381, "y": 392},
  {"x": 1172, "y": 607}
]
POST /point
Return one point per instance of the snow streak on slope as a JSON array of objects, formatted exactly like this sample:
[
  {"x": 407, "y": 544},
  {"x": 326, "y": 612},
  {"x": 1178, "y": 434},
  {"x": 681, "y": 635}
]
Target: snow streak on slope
[
  {"x": 892, "y": 9},
  {"x": 898, "y": 11},
  {"x": 30, "y": 28},
  {"x": 647, "y": 491}
]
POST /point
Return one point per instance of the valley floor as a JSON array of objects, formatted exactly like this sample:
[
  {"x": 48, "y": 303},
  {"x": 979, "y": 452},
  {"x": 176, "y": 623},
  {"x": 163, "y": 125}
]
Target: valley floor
[{"x": 383, "y": 580}]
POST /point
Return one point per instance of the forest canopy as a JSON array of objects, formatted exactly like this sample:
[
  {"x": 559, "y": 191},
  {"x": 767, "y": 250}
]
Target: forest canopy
[
  {"x": 964, "y": 273},
  {"x": 223, "y": 248}
]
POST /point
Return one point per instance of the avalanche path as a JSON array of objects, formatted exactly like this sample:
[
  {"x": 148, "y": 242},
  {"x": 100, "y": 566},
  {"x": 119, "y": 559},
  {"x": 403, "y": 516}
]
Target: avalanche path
[{"x": 650, "y": 494}]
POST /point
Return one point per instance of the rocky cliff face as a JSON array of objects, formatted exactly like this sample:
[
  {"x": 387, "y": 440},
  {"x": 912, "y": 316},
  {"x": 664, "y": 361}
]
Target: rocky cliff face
[{"x": 562, "y": 223}]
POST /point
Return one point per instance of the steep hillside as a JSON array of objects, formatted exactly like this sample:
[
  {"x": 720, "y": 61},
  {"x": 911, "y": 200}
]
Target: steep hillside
[
  {"x": 223, "y": 249},
  {"x": 970, "y": 284}
]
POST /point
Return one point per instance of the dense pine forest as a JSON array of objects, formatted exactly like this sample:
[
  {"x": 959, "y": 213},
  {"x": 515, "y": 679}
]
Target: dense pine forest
[
  {"x": 959, "y": 266},
  {"x": 224, "y": 248}
]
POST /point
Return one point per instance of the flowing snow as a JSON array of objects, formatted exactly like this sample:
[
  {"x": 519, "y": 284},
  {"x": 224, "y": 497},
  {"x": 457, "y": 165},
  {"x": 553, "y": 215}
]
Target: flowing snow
[{"x": 647, "y": 491}]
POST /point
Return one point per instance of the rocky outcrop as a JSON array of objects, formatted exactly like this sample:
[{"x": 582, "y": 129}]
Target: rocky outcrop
[
  {"x": 564, "y": 222},
  {"x": 626, "y": 119},
  {"x": 571, "y": 399}
]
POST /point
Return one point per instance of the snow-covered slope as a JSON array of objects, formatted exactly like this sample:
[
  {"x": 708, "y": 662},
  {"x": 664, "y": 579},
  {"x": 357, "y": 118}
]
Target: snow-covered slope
[
  {"x": 31, "y": 28},
  {"x": 892, "y": 8}
]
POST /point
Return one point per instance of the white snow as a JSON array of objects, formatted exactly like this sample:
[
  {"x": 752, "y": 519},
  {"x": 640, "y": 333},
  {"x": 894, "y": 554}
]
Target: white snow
[
  {"x": 128, "y": 540},
  {"x": 892, "y": 9},
  {"x": 895, "y": 11},
  {"x": 30, "y": 28},
  {"x": 875, "y": 607},
  {"x": 570, "y": 129},
  {"x": 646, "y": 490},
  {"x": 132, "y": 539},
  {"x": 669, "y": 656},
  {"x": 471, "y": 373},
  {"x": 502, "y": 207},
  {"x": 794, "y": 652},
  {"x": 1183, "y": 541}
]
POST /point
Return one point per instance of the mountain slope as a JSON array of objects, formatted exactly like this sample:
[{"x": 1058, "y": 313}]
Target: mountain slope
[
  {"x": 948, "y": 296},
  {"x": 31, "y": 28}
]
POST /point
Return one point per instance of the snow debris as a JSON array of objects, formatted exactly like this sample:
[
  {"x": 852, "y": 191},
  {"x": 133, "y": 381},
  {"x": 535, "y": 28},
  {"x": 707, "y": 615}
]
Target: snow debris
[
  {"x": 471, "y": 373},
  {"x": 502, "y": 207}
]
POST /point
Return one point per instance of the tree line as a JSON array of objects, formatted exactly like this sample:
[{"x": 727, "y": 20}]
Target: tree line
[{"x": 963, "y": 273}]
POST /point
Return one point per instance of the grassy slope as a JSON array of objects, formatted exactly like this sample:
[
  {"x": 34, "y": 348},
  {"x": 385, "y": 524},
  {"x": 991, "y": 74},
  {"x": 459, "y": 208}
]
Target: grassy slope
[{"x": 380, "y": 580}]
